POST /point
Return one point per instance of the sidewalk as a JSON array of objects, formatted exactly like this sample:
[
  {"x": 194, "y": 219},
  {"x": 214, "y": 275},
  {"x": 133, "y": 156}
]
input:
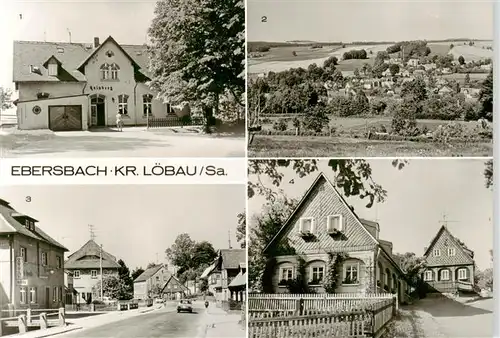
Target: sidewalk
[
  {"x": 219, "y": 324},
  {"x": 88, "y": 322}
]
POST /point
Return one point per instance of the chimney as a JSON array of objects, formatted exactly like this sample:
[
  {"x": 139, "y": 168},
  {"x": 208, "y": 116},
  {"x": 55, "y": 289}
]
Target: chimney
[{"x": 96, "y": 42}]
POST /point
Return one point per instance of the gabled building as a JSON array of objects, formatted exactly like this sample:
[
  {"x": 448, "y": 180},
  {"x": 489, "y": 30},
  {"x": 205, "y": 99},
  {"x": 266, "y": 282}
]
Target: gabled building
[
  {"x": 226, "y": 267},
  {"x": 173, "y": 289},
  {"x": 150, "y": 283},
  {"x": 449, "y": 264},
  {"x": 31, "y": 263},
  {"x": 77, "y": 86},
  {"x": 85, "y": 266},
  {"x": 323, "y": 229}
]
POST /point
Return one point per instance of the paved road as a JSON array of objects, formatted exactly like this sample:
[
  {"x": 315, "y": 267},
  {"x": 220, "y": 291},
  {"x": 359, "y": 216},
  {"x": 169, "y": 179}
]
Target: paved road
[
  {"x": 132, "y": 142},
  {"x": 162, "y": 323}
]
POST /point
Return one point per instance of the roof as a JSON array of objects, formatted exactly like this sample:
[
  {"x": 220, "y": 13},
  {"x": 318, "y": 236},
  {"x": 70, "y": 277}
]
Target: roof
[
  {"x": 461, "y": 246},
  {"x": 148, "y": 273},
  {"x": 72, "y": 57},
  {"x": 362, "y": 222},
  {"x": 232, "y": 258},
  {"x": 239, "y": 280},
  {"x": 9, "y": 224},
  {"x": 208, "y": 271},
  {"x": 172, "y": 278},
  {"x": 88, "y": 257}
]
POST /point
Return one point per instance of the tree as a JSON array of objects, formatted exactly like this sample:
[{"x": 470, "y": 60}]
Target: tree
[
  {"x": 331, "y": 61},
  {"x": 181, "y": 252},
  {"x": 411, "y": 265},
  {"x": 486, "y": 98},
  {"x": 461, "y": 60},
  {"x": 488, "y": 173},
  {"x": 112, "y": 287},
  {"x": 203, "y": 254},
  {"x": 151, "y": 265},
  {"x": 124, "y": 275},
  {"x": 197, "y": 52},
  {"x": 5, "y": 99},
  {"x": 136, "y": 273},
  {"x": 467, "y": 79},
  {"x": 241, "y": 230},
  {"x": 394, "y": 69},
  {"x": 356, "y": 72}
]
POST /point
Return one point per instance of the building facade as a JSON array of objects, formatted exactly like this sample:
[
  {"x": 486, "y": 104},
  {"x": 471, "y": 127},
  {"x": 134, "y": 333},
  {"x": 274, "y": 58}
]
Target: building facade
[
  {"x": 85, "y": 267},
  {"x": 76, "y": 86},
  {"x": 323, "y": 230},
  {"x": 150, "y": 283},
  {"x": 31, "y": 263},
  {"x": 174, "y": 289},
  {"x": 226, "y": 267},
  {"x": 449, "y": 264}
]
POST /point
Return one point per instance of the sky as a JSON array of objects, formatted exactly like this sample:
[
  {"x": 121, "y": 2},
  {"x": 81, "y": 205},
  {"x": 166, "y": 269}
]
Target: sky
[
  {"x": 417, "y": 198},
  {"x": 133, "y": 222},
  {"x": 126, "y": 21},
  {"x": 368, "y": 20}
]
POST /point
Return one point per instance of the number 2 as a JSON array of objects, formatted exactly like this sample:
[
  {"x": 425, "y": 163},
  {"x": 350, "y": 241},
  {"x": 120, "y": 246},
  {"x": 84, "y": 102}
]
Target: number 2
[{"x": 263, "y": 19}]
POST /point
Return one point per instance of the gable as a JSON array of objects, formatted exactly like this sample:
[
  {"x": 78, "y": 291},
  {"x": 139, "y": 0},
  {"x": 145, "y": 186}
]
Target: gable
[
  {"x": 108, "y": 53},
  {"x": 321, "y": 201},
  {"x": 443, "y": 241}
]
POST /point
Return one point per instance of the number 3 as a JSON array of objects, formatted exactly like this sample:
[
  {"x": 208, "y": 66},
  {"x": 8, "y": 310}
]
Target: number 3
[{"x": 28, "y": 199}]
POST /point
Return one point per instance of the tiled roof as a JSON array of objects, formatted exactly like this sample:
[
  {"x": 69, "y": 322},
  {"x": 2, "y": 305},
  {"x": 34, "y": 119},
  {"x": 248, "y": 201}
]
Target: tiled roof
[
  {"x": 239, "y": 280},
  {"x": 87, "y": 257},
  {"x": 232, "y": 258},
  {"x": 442, "y": 241},
  {"x": 10, "y": 225},
  {"x": 70, "y": 55},
  {"x": 148, "y": 273}
]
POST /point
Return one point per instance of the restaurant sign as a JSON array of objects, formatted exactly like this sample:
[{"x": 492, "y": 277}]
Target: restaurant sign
[{"x": 101, "y": 88}]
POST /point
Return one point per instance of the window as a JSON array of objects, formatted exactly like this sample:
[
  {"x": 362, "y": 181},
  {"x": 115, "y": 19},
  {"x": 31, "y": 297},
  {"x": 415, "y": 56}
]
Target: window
[
  {"x": 114, "y": 71},
  {"x": 30, "y": 225},
  {"x": 334, "y": 223},
  {"x": 428, "y": 275},
  {"x": 105, "y": 71},
  {"x": 33, "y": 295},
  {"x": 147, "y": 104},
  {"x": 44, "y": 259},
  {"x": 53, "y": 69},
  {"x": 451, "y": 252},
  {"x": 60, "y": 294},
  {"x": 437, "y": 252},
  {"x": 24, "y": 254},
  {"x": 93, "y": 273},
  {"x": 76, "y": 274},
  {"x": 351, "y": 273},
  {"x": 317, "y": 273},
  {"x": 306, "y": 225},
  {"x": 445, "y": 275},
  {"x": 123, "y": 104},
  {"x": 59, "y": 262},
  {"x": 22, "y": 291},
  {"x": 54, "y": 294},
  {"x": 462, "y": 274},
  {"x": 157, "y": 278},
  {"x": 286, "y": 273}
]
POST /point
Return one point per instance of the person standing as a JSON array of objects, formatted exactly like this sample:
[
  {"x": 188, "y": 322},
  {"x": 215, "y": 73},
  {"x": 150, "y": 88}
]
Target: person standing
[{"x": 119, "y": 121}]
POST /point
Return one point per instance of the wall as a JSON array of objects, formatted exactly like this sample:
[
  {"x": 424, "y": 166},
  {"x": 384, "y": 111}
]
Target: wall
[
  {"x": 140, "y": 290},
  {"x": 27, "y": 120},
  {"x": 29, "y": 90},
  {"x": 38, "y": 276},
  {"x": 86, "y": 282},
  {"x": 5, "y": 272}
]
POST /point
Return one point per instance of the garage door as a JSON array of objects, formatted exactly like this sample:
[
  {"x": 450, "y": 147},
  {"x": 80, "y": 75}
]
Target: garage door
[{"x": 65, "y": 118}]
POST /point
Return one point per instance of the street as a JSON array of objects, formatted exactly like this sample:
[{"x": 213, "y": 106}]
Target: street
[
  {"x": 132, "y": 142},
  {"x": 161, "y": 323}
]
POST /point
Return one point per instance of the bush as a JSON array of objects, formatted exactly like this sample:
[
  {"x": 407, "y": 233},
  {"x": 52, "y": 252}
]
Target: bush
[
  {"x": 280, "y": 125},
  {"x": 186, "y": 120}
]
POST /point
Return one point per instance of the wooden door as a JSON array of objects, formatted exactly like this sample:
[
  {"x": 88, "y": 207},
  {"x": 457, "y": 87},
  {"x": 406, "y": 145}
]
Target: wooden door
[{"x": 65, "y": 118}]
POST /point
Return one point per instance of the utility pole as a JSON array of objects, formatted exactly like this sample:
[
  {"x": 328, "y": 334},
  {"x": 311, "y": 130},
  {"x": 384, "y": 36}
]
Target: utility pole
[
  {"x": 69, "y": 33},
  {"x": 100, "y": 268},
  {"x": 445, "y": 221},
  {"x": 229, "y": 239},
  {"x": 92, "y": 233}
]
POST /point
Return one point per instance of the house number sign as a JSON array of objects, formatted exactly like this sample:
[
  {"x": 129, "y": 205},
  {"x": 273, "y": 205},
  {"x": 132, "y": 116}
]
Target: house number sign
[{"x": 101, "y": 88}]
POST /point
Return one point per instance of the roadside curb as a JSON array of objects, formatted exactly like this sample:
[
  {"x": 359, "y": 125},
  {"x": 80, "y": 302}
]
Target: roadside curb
[{"x": 44, "y": 334}]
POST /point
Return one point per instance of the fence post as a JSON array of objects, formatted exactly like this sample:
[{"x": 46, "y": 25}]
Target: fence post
[
  {"x": 21, "y": 324},
  {"x": 301, "y": 304},
  {"x": 43, "y": 321},
  {"x": 62, "y": 317},
  {"x": 28, "y": 316}
]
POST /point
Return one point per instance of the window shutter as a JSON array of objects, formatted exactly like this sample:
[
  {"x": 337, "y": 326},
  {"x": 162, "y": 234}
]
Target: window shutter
[{"x": 312, "y": 229}]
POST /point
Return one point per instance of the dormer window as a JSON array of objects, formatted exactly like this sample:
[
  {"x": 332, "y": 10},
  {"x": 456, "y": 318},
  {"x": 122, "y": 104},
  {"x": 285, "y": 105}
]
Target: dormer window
[
  {"x": 53, "y": 69},
  {"x": 114, "y": 71},
  {"x": 30, "y": 225},
  {"x": 334, "y": 224}
]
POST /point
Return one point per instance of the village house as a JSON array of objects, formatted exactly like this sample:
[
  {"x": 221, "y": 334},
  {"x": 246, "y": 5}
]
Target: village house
[
  {"x": 85, "y": 266},
  {"x": 413, "y": 62},
  {"x": 449, "y": 264},
  {"x": 31, "y": 263},
  {"x": 470, "y": 93},
  {"x": 445, "y": 90},
  {"x": 228, "y": 264},
  {"x": 150, "y": 283},
  {"x": 173, "y": 289},
  {"x": 77, "y": 86},
  {"x": 71, "y": 295},
  {"x": 430, "y": 66},
  {"x": 323, "y": 226}
]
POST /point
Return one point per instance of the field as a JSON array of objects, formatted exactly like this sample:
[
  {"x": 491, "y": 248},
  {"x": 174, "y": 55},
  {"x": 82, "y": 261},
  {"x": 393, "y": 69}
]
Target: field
[
  {"x": 281, "y": 58},
  {"x": 346, "y": 146}
]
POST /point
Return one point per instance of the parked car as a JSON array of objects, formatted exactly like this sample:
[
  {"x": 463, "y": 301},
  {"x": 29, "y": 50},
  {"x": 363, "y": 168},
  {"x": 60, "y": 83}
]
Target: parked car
[
  {"x": 107, "y": 300},
  {"x": 185, "y": 306},
  {"x": 159, "y": 300}
]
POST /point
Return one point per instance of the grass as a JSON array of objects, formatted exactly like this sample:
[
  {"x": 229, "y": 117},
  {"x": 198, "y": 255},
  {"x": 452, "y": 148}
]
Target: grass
[
  {"x": 292, "y": 146},
  {"x": 285, "y": 54},
  {"x": 350, "y": 65},
  {"x": 440, "y": 49}
]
